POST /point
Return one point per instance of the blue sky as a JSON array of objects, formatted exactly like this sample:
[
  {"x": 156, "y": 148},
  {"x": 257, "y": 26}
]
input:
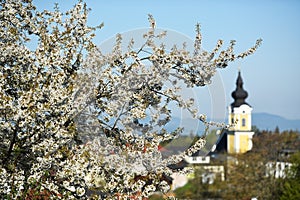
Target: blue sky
[{"x": 271, "y": 75}]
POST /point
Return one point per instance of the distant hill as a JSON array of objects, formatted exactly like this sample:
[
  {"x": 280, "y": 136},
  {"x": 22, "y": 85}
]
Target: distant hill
[
  {"x": 263, "y": 121},
  {"x": 266, "y": 121},
  {"x": 190, "y": 125}
]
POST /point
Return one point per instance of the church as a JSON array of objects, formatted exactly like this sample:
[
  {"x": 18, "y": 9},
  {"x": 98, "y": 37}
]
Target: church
[{"x": 238, "y": 138}]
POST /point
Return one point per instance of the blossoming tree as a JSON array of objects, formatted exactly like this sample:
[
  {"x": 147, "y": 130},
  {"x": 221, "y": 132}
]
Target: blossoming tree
[
  {"x": 75, "y": 127},
  {"x": 37, "y": 97}
]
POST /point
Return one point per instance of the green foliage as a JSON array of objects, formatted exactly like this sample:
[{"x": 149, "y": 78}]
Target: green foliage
[
  {"x": 248, "y": 178},
  {"x": 291, "y": 187},
  {"x": 295, "y": 159},
  {"x": 180, "y": 143},
  {"x": 156, "y": 197},
  {"x": 188, "y": 191},
  {"x": 196, "y": 189}
]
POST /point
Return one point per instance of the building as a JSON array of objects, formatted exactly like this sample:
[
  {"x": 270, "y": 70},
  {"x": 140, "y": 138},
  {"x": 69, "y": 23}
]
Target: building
[{"x": 238, "y": 138}]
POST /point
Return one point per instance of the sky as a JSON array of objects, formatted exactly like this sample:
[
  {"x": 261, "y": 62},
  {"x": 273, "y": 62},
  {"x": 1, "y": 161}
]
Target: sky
[{"x": 271, "y": 76}]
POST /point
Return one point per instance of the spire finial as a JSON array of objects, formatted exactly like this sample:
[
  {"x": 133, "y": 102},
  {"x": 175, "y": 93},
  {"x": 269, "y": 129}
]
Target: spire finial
[{"x": 239, "y": 68}]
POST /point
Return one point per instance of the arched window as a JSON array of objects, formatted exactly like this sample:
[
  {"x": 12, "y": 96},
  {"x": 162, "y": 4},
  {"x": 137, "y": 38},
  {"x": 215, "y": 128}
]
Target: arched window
[{"x": 243, "y": 122}]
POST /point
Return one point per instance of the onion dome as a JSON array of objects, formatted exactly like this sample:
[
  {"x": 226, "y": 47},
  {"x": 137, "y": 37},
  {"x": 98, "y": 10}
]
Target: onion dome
[{"x": 239, "y": 95}]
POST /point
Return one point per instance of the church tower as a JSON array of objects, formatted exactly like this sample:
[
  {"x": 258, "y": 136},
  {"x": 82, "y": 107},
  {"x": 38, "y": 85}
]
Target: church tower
[{"x": 239, "y": 136}]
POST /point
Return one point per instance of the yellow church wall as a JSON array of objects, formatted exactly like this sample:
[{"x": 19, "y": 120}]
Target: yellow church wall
[
  {"x": 239, "y": 124},
  {"x": 239, "y": 142},
  {"x": 230, "y": 143},
  {"x": 244, "y": 139},
  {"x": 247, "y": 120}
]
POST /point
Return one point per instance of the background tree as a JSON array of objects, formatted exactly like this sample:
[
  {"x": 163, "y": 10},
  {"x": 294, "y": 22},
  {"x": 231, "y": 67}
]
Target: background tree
[
  {"x": 246, "y": 178},
  {"x": 42, "y": 105},
  {"x": 249, "y": 176},
  {"x": 291, "y": 186}
]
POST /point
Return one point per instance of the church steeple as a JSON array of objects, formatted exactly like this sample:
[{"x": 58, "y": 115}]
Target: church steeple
[
  {"x": 239, "y": 95},
  {"x": 240, "y": 135},
  {"x": 238, "y": 138}
]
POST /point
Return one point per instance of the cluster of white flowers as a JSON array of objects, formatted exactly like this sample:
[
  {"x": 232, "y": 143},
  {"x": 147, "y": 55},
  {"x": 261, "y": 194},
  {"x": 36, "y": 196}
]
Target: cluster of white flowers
[{"x": 74, "y": 128}]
